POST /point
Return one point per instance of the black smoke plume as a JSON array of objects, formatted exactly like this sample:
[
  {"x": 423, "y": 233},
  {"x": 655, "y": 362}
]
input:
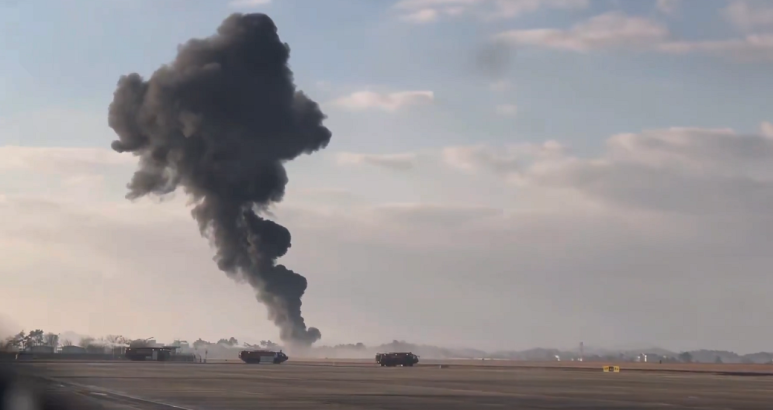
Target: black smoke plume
[{"x": 219, "y": 122}]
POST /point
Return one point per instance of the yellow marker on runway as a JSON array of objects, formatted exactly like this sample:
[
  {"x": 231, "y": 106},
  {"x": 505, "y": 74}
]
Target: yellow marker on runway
[{"x": 613, "y": 369}]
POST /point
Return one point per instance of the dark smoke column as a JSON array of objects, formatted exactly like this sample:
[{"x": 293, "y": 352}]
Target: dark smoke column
[{"x": 220, "y": 121}]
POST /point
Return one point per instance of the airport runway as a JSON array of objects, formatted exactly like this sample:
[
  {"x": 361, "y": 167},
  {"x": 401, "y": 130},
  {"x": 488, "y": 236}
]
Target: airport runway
[{"x": 180, "y": 386}]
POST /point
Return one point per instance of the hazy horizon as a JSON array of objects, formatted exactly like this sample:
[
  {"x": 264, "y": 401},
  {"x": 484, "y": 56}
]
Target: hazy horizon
[
  {"x": 501, "y": 175},
  {"x": 75, "y": 337},
  {"x": 589, "y": 349}
]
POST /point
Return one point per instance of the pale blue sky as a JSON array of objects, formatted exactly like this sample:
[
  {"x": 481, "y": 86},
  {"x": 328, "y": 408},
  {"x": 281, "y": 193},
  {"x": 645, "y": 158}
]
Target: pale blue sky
[
  {"x": 70, "y": 54},
  {"x": 550, "y": 202}
]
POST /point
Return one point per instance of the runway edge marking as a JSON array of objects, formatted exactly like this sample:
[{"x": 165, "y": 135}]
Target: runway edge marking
[{"x": 115, "y": 393}]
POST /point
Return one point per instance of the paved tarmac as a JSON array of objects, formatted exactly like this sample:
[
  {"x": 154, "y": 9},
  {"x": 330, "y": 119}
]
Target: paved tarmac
[{"x": 181, "y": 386}]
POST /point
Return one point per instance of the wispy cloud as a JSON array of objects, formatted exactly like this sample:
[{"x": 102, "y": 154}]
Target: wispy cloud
[
  {"x": 618, "y": 31},
  {"x": 749, "y": 48},
  {"x": 501, "y": 85},
  {"x": 421, "y": 16},
  {"x": 248, "y": 3},
  {"x": 473, "y": 158},
  {"x": 59, "y": 159},
  {"x": 507, "y": 110},
  {"x": 390, "y": 102},
  {"x": 429, "y": 214},
  {"x": 749, "y": 16},
  {"x": 400, "y": 162},
  {"x": 667, "y": 6},
  {"x": 607, "y": 31},
  {"x": 424, "y": 11}
]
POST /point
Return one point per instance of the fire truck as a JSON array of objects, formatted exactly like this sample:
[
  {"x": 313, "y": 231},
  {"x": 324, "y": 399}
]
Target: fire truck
[
  {"x": 262, "y": 356},
  {"x": 397, "y": 359}
]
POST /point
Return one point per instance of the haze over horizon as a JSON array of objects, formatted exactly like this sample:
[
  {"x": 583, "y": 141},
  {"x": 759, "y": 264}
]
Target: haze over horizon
[
  {"x": 528, "y": 173},
  {"x": 340, "y": 345}
]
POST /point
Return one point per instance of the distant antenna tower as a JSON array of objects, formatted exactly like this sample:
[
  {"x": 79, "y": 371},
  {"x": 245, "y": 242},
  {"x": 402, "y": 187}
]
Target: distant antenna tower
[{"x": 582, "y": 352}]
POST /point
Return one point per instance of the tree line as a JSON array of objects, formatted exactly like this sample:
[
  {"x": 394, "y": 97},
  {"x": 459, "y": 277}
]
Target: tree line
[
  {"x": 26, "y": 340},
  {"x": 37, "y": 337},
  {"x": 233, "y": 342}
]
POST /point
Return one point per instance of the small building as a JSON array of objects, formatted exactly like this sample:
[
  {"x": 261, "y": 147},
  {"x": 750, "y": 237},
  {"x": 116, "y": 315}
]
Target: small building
[
  {"x": 118, "y": 350},
  {"x": 72, "y": 350},
  {"x": 650, "y": 358},
  {"x": 39, "y": 349},
  {"x": 96, "y": 349},
  {"x": 156, "y": 353}
]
